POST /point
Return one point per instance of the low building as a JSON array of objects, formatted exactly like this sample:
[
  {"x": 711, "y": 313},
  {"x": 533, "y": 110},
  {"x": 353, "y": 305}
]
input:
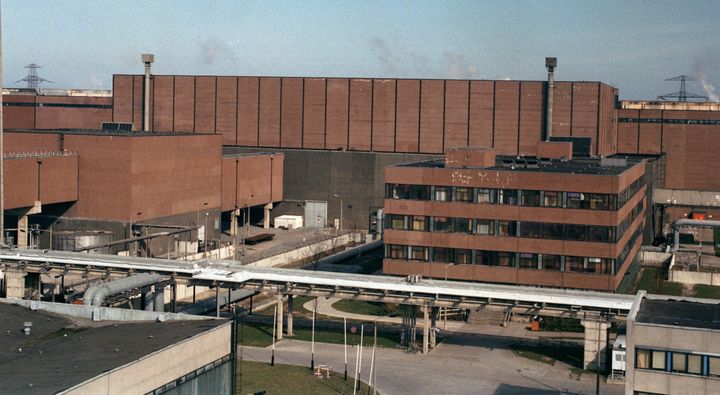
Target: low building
[
  {"x": 46, "y": 352},
  {"x": 673, "y": 346},
  {"x": 572, "y": 223}
]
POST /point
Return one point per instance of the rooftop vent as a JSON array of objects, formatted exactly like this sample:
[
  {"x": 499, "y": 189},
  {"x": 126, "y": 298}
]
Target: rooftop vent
[{"x": 116, "y": 127}]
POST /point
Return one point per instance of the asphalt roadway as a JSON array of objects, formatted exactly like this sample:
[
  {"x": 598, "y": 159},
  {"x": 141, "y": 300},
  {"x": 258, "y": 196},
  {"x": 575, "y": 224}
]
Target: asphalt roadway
[{"x": 462, "y": 364}]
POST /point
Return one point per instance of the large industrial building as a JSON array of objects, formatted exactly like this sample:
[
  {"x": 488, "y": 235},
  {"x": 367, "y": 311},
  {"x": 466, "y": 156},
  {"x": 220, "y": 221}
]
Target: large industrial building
[
  {"x": 551, "y": 221},
  {"x": 331, "y": 140}
]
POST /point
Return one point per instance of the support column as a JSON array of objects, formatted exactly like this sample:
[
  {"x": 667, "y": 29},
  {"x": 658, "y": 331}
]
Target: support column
[
  {"x": 159, "y": 298},
  {"x": 290, "y": 316},
  {"x": 426, "y": 328},
  {"x": 15, "y": 283},
  {"x": 433, "y": 327},
  {"x": 266, "y": 215},
  {"x": 23, "y": 231},
  {"x": 279, "y": 317},
  {"x": 149, "y": 300},
  {"x": 596, "y": 336}
]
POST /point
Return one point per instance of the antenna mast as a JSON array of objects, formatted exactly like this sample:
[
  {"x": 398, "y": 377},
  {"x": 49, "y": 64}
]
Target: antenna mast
[{"x": 683, "y": 94}]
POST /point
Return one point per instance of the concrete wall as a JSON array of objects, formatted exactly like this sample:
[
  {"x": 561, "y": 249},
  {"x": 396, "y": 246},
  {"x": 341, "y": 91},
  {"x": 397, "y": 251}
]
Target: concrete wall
[
  {"x": 688, "y": 143},
  {"x": 55, "y": 112},
  {"x": 359, "y": 177},
  {"x": 688, "y": 277},
  {"x": 161, "y": 367},
  {"x": 48, "y": 179},
  {"x": 382, "y": 115},
  {"x": 251, "y": 180}
]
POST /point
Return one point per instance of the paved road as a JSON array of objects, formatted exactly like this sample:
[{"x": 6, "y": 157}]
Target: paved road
[{"x": 458, "y": 366}]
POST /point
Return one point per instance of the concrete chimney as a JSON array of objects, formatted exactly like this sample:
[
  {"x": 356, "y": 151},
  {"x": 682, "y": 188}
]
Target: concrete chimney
[
  {"x": 148, "y": 59},
  {"x": 550, "y": 64}
]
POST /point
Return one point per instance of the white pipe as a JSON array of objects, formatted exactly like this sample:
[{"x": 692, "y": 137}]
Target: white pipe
[{"x": 102, "y": 291}]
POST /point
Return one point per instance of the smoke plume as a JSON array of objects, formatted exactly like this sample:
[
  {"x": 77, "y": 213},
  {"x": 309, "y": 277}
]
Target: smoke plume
[
  {"x": 382, "y": 52},
  {"x": 213, "y": 49},
  {"x": 701, "y": 68}
]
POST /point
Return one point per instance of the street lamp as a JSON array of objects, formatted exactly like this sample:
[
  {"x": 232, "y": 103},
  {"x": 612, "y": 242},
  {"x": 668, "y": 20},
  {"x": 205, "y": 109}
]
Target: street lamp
[{"x": 341, "y": 210}]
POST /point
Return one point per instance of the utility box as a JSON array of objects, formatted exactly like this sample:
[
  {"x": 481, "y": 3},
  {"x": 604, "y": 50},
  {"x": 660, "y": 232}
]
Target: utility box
[{"x": 288, "y": 222}]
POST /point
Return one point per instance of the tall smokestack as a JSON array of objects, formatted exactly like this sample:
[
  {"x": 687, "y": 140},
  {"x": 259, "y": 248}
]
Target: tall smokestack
[
  {"x": 147, "y": 58},
  {"x": 550, "y": 64}
]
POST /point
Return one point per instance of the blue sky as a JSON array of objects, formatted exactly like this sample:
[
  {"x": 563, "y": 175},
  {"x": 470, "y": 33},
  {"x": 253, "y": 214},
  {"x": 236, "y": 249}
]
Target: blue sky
[{"x": 633, "y": 45}]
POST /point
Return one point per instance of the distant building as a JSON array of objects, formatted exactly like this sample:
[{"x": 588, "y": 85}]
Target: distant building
[
  {"x": 572, "y": 223},
  {"x": 673, "y": 346}
]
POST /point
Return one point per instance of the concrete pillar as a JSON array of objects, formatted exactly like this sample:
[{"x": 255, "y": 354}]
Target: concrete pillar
[
  {"x": 279, "y": 317},
  {"x": 290, "y": 316},
  {"x": 426, "y": 328},
  {"x": 266, "y": 215},
  {"x": 15, "y": 283},
  {"x": 433, "y": 327},
  {"x": 22, "y": 232},
  {"x": 149, "y": 299},
  {"x": 159, "y": 301},
  {"x": 234, "y": 222},
  {"x": 596, "y": 336}
]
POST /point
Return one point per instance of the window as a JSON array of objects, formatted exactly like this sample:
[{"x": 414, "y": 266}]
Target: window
[
  {"x": 530, "y": 229},
  {"x": 552, "y": 199},
  {"x": 576, "y": 232},
  {"x": 485, "y": 195},
  {"x": 714, "y": 366},
  {"x": 553, "y": 231},
  {"x": 443, "y": 254},
  {"x": 397, "y": 221},
  {"x": 577, "y": 200},
  {"x": 420, "y": 222},
  {"x": 462, "y": 225},
  {"x": 679, "y": 362},
  {"x": 551, "y": 262},
  {"x": 488, "y": 258},
  {"x": 463, "y": 257},
  {"x": 598, "y": 265},
  {"x": 397, "y": 251},
  {"x": 530, "y": 198},
  {"x": 484, "y": 227},
  {"x": 442, "y": 194},
  {"x": 463, "y": 194},
  {"x": 420, "y": 192},
  {"x": 398, "y": 191},
  {"x": 574, "y": 264},
  {"x": 507, "y": 228},
  {"x": 508, "y": 196},
  {"x": 599, "y": 234},
  {"x": 419, "y": 253},
  {"x": 657, "y": 361},
  {"x": 599, "y": 201},
  {"x": 642, "y": 359},
  {"x": 506, "y": 259},
  {"x": 694, "y": 364},
  {"x": 442, "y": 224},
  {"x": 528, "y": 261}
]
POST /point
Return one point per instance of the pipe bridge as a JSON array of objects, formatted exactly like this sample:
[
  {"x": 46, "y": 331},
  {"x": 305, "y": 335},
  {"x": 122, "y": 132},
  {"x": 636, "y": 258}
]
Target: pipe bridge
[{"x": 412, "y": 290}]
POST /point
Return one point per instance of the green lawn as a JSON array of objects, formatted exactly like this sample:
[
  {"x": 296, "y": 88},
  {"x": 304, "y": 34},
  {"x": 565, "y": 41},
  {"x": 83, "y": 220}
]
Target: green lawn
[
  {"x": 254, "y": 377},
  {"x": 707, "y": 291},
  {"x": 558, "y": 324},
  {"x": 367, "y": 308},
  {"x": 649, "y": 282},
  {"x": 260, "y": 335}
]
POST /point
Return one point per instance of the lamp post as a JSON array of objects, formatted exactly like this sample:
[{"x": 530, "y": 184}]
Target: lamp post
[
  {"x": 341, "y": 210},
  {"x": 205, "y": 236},
  {"x": 445, "y": 308}
]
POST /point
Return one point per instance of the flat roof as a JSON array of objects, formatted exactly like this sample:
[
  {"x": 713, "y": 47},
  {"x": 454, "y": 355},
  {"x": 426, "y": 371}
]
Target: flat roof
[
  {"x": 532, "y": 164},
  {"x": 682, "y": 313},
  {"x": 99, "y": 132},
  {"x": 61, "y": 351}
]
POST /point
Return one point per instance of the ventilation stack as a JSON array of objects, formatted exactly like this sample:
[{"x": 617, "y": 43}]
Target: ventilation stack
[
  {"x": 550, "y": 64},
  {"x": 148, "y": 59}
]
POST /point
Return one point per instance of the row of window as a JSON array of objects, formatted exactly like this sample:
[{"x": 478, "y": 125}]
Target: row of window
[
  {"x": 491, "y": 227},
  {"x": 461, "y": 256},
  {"x": 677, "y": 362},
  {"x": 676, "y": 121},
  {"x": 530, "y": 198}
]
